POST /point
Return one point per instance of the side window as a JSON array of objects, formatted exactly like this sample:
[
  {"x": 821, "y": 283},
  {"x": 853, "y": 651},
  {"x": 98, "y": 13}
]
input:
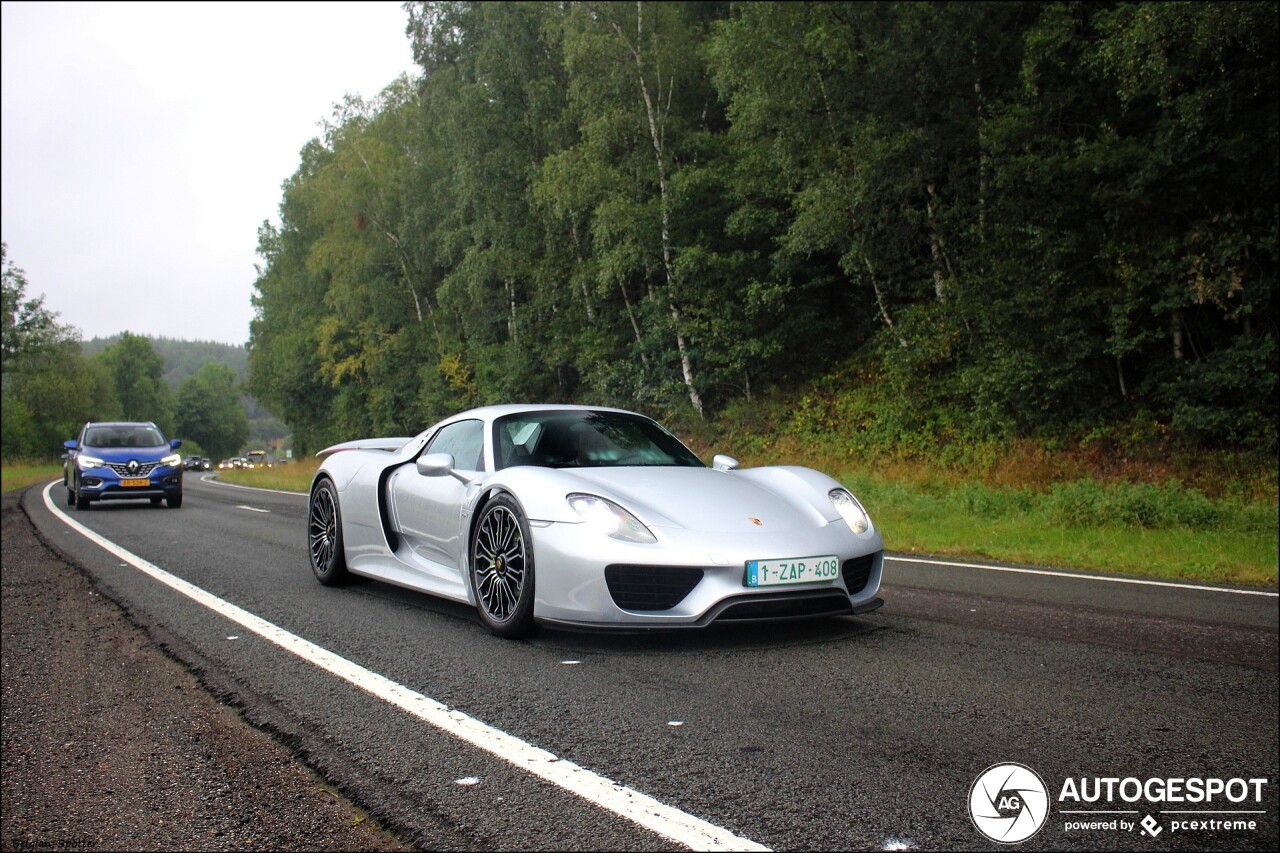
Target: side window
[{"x": 465, "y": 440}]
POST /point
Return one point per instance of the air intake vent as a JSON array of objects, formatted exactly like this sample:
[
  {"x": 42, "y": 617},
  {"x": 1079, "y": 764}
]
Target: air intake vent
[
  {"x": 857, "y": 571},
  {"x": 650, "y": 587}
]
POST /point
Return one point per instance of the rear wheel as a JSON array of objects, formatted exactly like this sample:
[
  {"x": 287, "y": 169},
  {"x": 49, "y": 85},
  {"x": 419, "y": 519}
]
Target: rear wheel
[
  {"x": 324, "y": 536},
  {"x": 502, "y": 569}
]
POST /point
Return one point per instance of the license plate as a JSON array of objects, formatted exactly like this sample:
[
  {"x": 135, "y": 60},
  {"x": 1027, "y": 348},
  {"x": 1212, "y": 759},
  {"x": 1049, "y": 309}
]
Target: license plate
[
  {"x": 794, "y": 570},
  {"x": 129, "y": 484}
]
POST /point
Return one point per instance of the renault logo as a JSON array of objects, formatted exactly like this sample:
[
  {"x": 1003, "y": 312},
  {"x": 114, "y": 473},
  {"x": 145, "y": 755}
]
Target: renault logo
[{"x": 133, "y": 466}]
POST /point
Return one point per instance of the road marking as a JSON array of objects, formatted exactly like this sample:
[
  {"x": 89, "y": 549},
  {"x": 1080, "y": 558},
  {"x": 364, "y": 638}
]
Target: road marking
[
  {"x": 1103, "y": 578},
  {"x": 641, "y": 809},
  {"x": 252, "y": 508}
]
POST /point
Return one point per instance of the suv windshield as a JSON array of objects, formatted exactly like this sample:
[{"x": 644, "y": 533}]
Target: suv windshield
[
  {"x": 123, "y": 435},
  {"x": 576, "y": 439}
]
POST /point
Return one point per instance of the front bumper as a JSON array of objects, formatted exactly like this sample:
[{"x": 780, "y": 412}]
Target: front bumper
[
  {"x": 572, "y": 588},
  {"x": 103, "y": 484}
]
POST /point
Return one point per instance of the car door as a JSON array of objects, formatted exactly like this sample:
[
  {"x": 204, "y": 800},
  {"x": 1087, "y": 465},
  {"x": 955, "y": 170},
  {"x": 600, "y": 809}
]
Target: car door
[{"x": 428, "y": 511}]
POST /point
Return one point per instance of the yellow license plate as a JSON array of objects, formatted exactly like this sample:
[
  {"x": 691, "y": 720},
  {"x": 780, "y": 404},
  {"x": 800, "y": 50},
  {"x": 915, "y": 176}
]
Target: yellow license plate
[{"x": 144, "y": 482}]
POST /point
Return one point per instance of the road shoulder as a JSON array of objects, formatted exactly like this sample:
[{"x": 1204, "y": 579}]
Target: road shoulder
[{"x": 110, "y": 744}]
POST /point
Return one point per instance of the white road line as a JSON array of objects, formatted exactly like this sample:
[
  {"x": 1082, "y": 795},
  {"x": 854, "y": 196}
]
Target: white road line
[
  {"x": 1104, "y": 578},
  {"x": 641, "y": 809},
  {"x": 252, "y": 508}
]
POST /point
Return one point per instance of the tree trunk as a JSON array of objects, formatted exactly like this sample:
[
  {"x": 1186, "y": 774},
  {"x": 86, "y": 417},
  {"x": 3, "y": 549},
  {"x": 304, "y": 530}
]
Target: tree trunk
[{"x": 664, "y": 190}]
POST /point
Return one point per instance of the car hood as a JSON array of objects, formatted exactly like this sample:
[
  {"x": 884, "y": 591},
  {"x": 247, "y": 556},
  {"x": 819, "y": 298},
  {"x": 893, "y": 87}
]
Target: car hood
[
  {"x": 713, "y": 501},
  {"x": 124, "y": 454}
]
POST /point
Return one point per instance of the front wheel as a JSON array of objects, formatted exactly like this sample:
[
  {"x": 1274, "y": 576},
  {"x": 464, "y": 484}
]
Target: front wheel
[
  {"x": 324, "y": 536},
  {"x": 502, "y": 569}
]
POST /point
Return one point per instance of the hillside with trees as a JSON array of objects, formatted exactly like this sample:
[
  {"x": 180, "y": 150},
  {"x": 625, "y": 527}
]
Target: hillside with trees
[
  {"x": 53, "y": 382},
  {"x": 910, "y": 224}
]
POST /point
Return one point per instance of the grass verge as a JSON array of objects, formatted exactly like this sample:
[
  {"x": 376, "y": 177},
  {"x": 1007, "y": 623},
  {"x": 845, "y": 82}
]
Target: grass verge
[{"x": 20, "y": 475}]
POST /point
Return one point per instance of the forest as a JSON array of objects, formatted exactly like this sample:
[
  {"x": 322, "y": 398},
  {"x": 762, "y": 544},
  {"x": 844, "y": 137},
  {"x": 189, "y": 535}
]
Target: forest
[
  {"x": 950, "y": 221},
  {"x": 52, "y": 382}
]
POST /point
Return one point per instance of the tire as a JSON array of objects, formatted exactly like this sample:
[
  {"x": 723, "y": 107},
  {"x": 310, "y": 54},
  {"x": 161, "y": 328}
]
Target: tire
[
  {"x": 71, "y": 496},
  {"x": 502, "y": 572},
  {"x": 175, "y": 501},
  {"x": 81, "y": 501},
  {"x": 324, "y": 536}
]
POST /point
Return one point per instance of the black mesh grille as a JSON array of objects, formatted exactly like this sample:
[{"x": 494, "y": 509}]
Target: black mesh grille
[
  {"x": 650, "y": 587},
  {"x": 857, "y": 571}
]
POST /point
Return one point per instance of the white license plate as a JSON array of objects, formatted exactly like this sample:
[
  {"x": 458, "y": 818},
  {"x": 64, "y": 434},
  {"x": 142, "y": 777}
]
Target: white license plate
[{"x": 795, "y": 570}]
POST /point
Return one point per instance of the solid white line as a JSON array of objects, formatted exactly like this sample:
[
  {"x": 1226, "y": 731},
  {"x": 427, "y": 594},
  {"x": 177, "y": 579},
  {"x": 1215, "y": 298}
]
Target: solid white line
[
  {"x": 641, "y": 809},
  {"x": 252, "y": 508},
  {"x": 1103, "y": 578}
]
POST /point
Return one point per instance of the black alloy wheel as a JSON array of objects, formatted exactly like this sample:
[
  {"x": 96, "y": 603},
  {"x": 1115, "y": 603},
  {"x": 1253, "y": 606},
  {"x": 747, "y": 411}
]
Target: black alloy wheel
[
  {"x": 502, "y": 569},
  {"x": 324, "y": 536}
]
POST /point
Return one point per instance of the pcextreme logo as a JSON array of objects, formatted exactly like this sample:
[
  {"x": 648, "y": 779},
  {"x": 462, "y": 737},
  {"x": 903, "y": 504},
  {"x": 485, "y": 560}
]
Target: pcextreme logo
[{"x": 1009, "y": 803}]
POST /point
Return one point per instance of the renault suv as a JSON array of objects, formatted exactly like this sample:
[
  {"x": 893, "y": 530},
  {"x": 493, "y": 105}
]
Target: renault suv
[{"x": 123, "y": 461}]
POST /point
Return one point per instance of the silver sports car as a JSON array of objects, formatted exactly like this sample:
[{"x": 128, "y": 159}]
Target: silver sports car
[{"x": 590, "y": 518}]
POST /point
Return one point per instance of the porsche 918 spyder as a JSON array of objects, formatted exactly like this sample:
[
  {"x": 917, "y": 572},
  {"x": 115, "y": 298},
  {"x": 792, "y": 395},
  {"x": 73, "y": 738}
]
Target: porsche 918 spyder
[{"x": 591, "y": 518}]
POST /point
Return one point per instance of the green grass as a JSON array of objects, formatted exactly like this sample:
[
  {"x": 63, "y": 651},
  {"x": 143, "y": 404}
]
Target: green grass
[
  {"x": 20, "y": 475},
  {"x": 292, "y": 477},
  {"x": 1165, "y": 532}
]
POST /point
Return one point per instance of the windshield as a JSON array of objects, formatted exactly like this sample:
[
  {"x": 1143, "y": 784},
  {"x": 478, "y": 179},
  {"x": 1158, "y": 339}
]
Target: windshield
[
  {"x": 123, "y": 435},
  {"x": 579, "y": 439}
]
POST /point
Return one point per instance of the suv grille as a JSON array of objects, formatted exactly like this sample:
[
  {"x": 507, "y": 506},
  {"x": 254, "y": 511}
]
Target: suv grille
[
  {"x": 650, "y": 587},
  {"x": 857, "y": 571},
  {"x": 144, "y": 469}
]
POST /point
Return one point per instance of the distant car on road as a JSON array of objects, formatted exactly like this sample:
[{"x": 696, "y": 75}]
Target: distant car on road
[
  {"x": 257, "y": 459},
  {"x": 123, "y": 460}
]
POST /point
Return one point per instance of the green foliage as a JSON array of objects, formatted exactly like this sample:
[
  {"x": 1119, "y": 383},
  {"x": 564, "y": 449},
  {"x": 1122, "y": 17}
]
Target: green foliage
[
  {"x": 210, "y": 413},
  {"x": 137, "y": 375},
  {"x": 947, "y": 225}
]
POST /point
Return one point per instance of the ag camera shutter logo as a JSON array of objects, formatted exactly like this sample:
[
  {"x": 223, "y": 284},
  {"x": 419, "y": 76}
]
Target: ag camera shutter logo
[{"x": 1008, "y": 803}]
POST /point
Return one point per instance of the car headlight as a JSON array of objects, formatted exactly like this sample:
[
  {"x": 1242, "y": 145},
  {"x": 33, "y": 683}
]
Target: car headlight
[
  {"x": 610, "y": 519},
  {"x": 851, "y": 511},
  {"x": 173, "y": 459},
  {"x": 87, "y": 462}
]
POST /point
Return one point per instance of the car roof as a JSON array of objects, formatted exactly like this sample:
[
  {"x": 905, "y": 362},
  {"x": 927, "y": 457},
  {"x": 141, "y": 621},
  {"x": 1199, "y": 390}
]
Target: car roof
[
  {"x": 489, "y": 413},
  {"x": 121, "y": 423}
]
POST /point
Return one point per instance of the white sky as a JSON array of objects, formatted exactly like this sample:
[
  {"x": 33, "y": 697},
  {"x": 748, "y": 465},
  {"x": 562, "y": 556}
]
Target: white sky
[{"x": 143, "y": 145}]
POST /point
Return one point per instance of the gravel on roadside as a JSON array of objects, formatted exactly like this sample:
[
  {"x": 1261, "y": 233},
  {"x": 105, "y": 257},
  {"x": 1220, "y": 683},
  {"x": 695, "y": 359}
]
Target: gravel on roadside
[{"x": 109, "y": 744}]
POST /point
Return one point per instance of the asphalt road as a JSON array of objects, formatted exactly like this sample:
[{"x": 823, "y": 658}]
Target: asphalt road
[{"x": 850, "y": 733}]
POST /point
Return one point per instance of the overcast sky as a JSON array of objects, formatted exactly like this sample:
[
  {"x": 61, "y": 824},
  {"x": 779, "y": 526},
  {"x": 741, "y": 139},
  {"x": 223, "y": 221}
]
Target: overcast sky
[{"x": 143, "y": 145}]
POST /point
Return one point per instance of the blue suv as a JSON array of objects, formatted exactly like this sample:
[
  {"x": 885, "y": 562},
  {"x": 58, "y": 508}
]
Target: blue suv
[{"x": 122, "y": 461}]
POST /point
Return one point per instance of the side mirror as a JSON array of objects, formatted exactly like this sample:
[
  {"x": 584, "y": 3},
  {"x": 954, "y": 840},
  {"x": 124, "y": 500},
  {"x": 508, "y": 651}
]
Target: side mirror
[
  {"x": 725, "y": 463},
  {"x": 175, "y": 443},
  {"x": 70, "y": 444},
  {"x": 435, "y": 464}
]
